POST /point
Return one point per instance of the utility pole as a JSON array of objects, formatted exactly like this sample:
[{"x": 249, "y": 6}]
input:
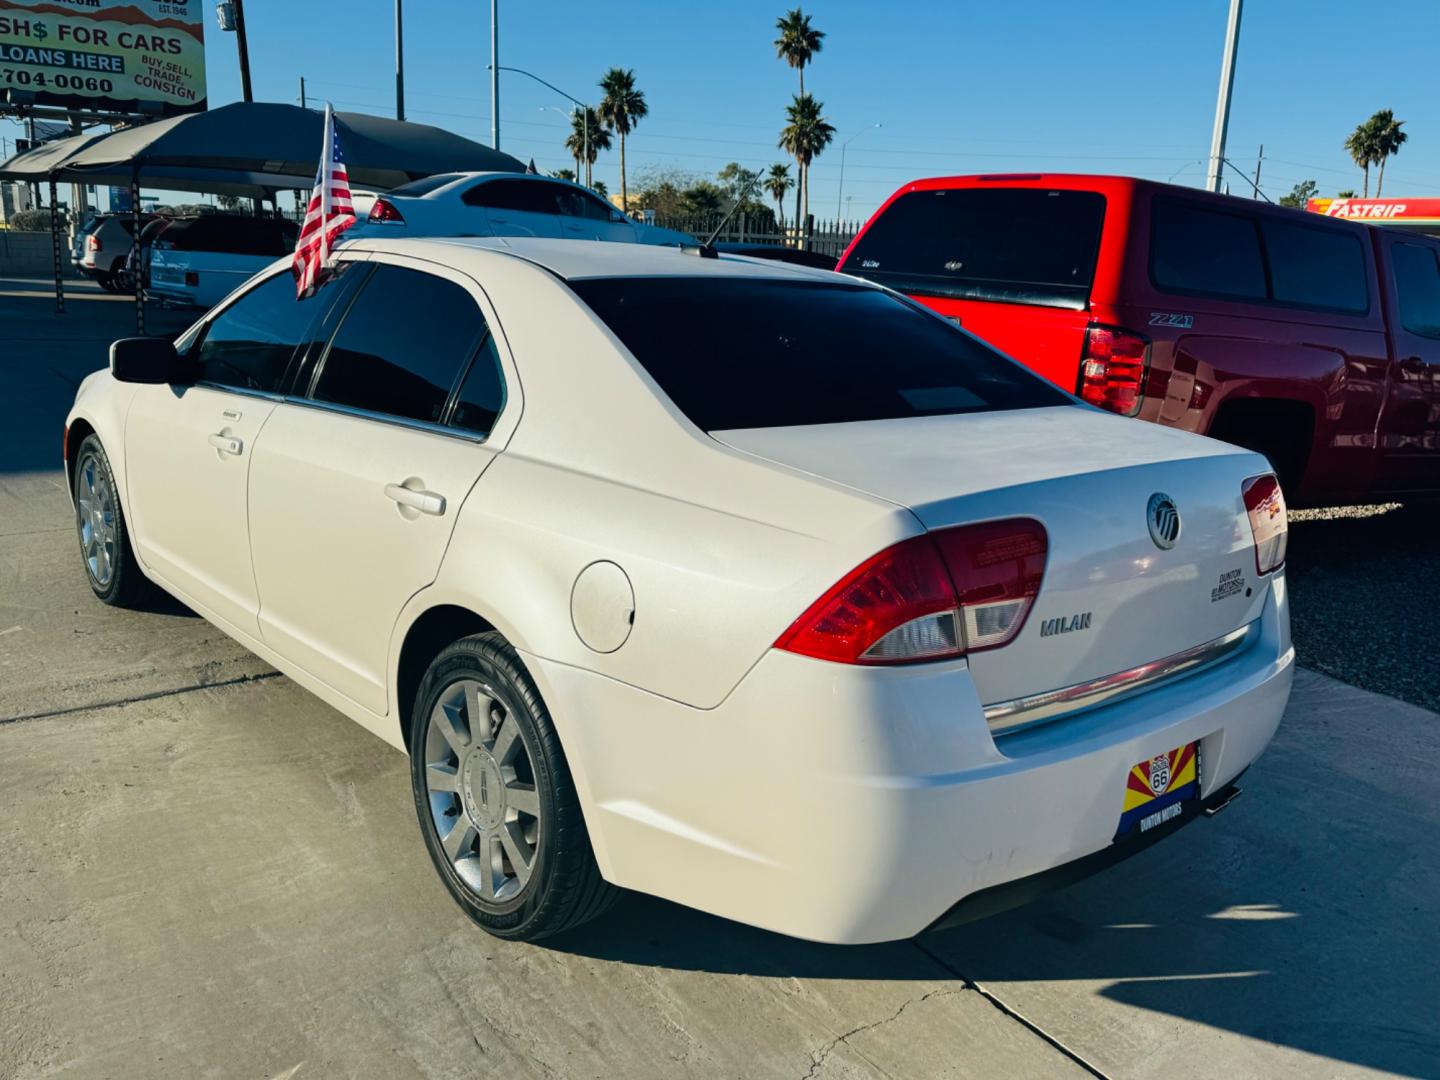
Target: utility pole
[
  {"x": 399, "y": 62},
  {"x": 244, "y": 48},
  {"x": 495, "y": 74},
  {"x": 1222, "y": 106},
  {"x": 302, "y": 91},
  {"x": 1258, "y": 161}
]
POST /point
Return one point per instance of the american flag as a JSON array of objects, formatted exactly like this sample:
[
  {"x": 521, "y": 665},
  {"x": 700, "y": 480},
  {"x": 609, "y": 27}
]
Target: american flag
[{"x": 329, "y": 214}]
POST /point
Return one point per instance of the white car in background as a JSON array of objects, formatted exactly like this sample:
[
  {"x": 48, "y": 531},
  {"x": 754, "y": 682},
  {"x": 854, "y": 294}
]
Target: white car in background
[
  {"x": 829, "y": 619},
  {"x": 508, "y": 204},
  {"x": 198, "y": 262}
]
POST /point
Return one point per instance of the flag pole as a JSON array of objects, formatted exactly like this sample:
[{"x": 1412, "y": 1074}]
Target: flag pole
[{"x": 326, "y": 167}]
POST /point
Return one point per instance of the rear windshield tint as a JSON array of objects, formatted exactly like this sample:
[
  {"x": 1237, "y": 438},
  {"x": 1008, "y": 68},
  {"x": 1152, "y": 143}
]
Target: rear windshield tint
[
  {"x": 752, "y": 353},
  {"x": 1023, "y": 245},
  {"x": 425, "y": 185}
]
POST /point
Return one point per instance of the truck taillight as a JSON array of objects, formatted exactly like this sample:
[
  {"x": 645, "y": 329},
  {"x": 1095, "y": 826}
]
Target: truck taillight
[
  {"x": 1265, "y": 504},
  {"x": 383, "y": 212},
  {"x": 92, "y": 242},
  {"x": 1112, "y": 369},
  {"x": 938, "y": 596}
]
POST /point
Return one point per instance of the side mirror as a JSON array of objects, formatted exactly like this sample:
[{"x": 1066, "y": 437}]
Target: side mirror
[{"x": 145, "y": 360}]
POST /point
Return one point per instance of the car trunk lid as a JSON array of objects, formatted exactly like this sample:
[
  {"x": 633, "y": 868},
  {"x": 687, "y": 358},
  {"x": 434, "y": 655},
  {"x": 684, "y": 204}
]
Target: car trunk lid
[{"x": 1112, "y": 597}]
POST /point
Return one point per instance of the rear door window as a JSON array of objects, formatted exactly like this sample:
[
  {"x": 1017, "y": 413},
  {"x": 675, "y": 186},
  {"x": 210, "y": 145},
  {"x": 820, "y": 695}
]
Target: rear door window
[
  {"x": 1315, "y": 267},
  {"x": 1205, "y": 252},
  {"x": 804, "y": 353},
  {"x": 402, "y": 346},
  {"x": 1417, "y": 287},
  {"x": 1024, "y": 245}
]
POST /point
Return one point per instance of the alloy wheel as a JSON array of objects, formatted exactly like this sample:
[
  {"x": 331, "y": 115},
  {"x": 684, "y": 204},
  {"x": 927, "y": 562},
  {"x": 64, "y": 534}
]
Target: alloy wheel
[
  {"x": 95, "y": 501},
  {"x": 480, "y": 783}
]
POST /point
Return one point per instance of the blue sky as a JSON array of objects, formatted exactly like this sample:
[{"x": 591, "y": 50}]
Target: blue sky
[{"x": 1107, "y": 85}]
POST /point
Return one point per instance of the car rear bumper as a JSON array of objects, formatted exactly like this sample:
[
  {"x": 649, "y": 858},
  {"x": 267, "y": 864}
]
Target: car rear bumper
[{"x": 855, "y": 805}]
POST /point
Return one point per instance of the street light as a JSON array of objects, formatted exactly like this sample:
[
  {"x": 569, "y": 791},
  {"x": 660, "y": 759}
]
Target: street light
[
  {"x": 570, "y": 115},
  {"x": 843, "y": 145},
  {"x": 584, "y": 109}
]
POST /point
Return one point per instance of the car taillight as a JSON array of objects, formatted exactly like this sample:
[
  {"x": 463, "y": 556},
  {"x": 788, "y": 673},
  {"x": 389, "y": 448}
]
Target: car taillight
[
  {"x": 1265, "y": 503},
  {"x": 942, "y": 595},
  {"x": 92, "y": 242},
  {"x": 1112, "y": 369},
  {"x": 384, "y": 213}
]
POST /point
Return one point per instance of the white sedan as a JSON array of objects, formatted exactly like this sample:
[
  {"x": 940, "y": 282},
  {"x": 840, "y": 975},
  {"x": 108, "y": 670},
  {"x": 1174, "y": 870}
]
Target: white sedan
[
  {"x": 507, "y": 204},
  {"x": 746, "y": 585}
]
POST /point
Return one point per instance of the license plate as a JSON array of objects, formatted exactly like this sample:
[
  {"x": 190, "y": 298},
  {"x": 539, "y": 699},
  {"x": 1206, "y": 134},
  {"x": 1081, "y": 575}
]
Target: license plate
[{"x": 1156, "y": 790}]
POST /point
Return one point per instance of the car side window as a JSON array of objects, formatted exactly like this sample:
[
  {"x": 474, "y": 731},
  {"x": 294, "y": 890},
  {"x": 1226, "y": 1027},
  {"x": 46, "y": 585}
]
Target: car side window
[
  {"x": 1194, "y": 250},
  {"x": 402, "y": 345},
  {"x": 1417, "y": 287},
  {"x": 525, "y": 196},
  {"x": 482, "y": 394},
  {"x": 581, "y": 205},
  {"x": 249, "y": 344},
  {"x": 1316, "y": 267}
]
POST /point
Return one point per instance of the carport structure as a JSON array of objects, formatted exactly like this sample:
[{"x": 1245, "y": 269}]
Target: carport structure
[{"x": 250, "y": 149}]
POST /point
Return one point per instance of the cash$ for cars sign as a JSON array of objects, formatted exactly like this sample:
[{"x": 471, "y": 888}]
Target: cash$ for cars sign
[{"x": 105, "y": 55}]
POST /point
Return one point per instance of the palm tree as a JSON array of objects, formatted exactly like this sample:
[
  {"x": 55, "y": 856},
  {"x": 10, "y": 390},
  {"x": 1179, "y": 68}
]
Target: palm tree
[
  {"x": 798, "y": 41},
  {"x": 778, "y": 182},
  {"x": 563, "y": 174},
  {"x": 805, "y": 137},
  {"x": 580, "y": 141},
  {"x": 621, "y": 108},
  {"x": 1363, "y": 144},
  {"x": 1388, "y": 140}
]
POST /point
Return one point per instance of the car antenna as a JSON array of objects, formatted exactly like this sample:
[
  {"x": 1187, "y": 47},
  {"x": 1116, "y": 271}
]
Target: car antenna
[{"x": 707, "y": 249}]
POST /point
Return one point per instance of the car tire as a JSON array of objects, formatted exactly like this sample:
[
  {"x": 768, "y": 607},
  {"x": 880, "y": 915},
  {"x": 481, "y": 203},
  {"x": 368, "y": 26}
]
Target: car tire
[
  {"x": 105, "y": 281},
  {"x": 120, "y": 278},
  {"x": 110, "y": 564},
  {"x": 495, "y": 799}
]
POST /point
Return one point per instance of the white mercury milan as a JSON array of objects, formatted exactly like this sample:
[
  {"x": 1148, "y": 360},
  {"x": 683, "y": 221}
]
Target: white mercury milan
[{"x": 750, "y": 586}]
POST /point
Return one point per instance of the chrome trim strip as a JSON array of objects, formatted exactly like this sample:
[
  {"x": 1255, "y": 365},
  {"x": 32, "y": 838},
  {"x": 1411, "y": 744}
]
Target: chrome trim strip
[
  {"x": 1006, "y": 717},
  {"x": 387, "y": 418}
]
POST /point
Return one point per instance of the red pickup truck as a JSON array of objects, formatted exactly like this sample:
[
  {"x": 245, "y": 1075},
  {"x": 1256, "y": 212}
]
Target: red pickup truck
[{"x": 1312, "y": 340}]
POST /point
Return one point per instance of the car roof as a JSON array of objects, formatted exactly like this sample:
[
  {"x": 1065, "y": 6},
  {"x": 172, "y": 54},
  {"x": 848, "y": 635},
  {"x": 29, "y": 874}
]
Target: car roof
[
  {"x": 453, "y": 180},
  {"x": 575, "y": 260}
]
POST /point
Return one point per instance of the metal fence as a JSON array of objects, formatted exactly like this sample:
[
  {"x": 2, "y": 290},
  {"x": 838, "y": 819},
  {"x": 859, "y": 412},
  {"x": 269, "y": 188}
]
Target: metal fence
[{"x": 824, "y": 237}]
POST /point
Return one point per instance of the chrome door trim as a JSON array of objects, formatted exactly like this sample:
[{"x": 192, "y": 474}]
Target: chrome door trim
[
  {"x": 386, "y": 418},
  {"x": 1007, "y": 717}
]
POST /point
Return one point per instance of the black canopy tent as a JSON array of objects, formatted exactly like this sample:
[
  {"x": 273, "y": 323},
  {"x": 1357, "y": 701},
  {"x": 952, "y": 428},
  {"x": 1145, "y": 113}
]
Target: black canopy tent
[{"x": 250, "y": 149}]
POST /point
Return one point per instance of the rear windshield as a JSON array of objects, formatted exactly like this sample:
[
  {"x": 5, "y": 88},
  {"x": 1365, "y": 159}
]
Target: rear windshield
[
  {"x": 1022, "y": 245},
  {"x": 752, "y": 353},
  {"x": 235, "y": 234},
  {"x": 425, "y": 185}
]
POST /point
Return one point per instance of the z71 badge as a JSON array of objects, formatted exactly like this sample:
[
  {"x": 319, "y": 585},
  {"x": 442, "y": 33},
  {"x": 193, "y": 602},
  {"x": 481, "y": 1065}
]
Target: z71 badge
[{"x": 1165, "y": 318}]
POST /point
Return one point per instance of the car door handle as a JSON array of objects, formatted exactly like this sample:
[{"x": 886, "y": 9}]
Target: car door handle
[
  {"x": 226, "y": 444},
  {"x": 427, "y": 502}
]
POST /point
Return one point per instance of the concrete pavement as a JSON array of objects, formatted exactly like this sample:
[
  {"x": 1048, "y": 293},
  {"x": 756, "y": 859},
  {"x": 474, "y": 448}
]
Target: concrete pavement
[{"x": 204, "y": 871}]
